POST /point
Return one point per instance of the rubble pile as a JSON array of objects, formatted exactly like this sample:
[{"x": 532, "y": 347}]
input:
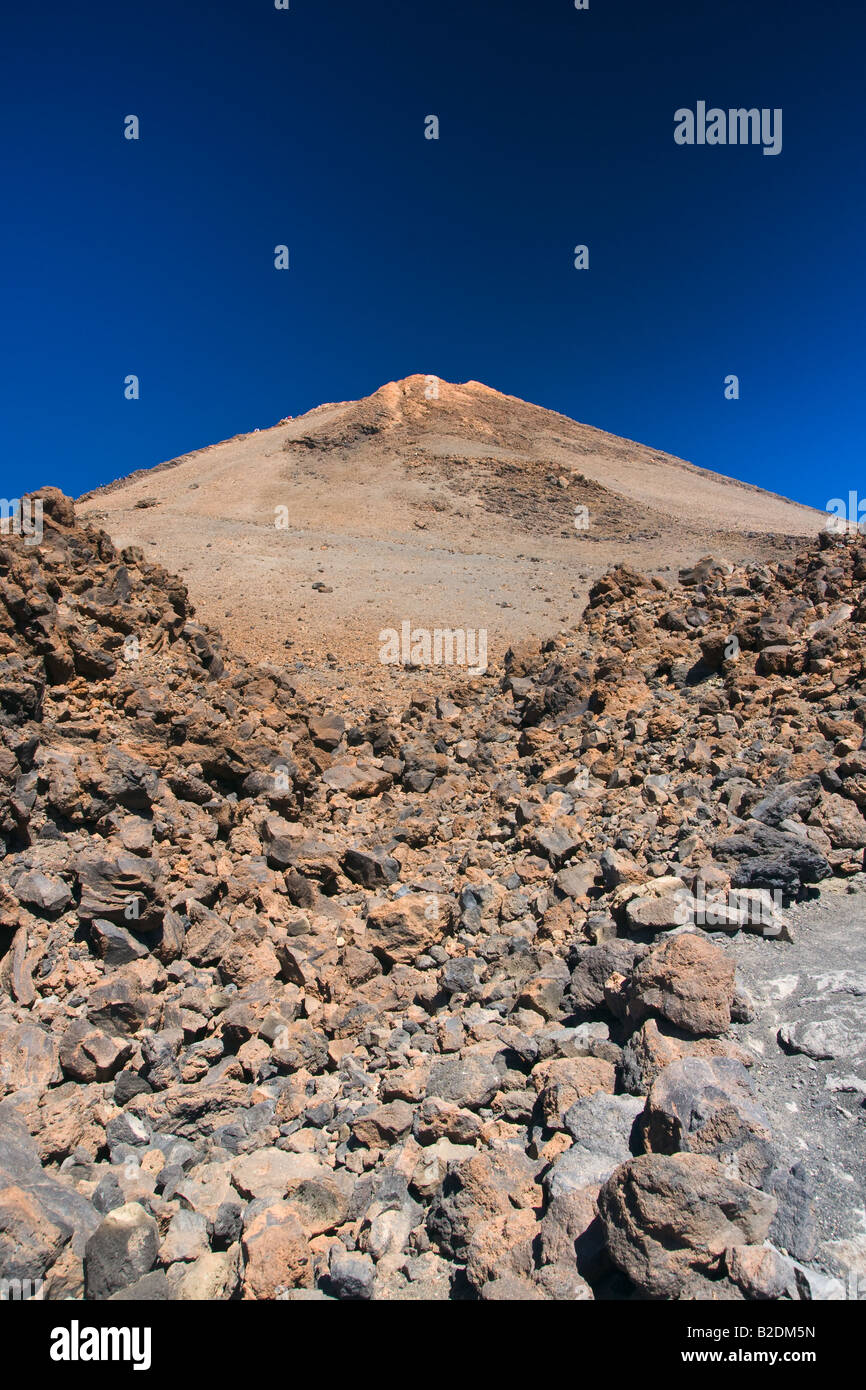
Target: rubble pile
[{"x": 408, "y": 1003}]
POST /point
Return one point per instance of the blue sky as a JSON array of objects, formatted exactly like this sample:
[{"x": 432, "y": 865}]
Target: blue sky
[{"x": 455, "y": 257}]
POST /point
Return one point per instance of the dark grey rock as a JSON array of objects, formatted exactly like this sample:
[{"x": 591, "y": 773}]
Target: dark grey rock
[
  {"x": 43, "y": 892},
  {"x": 761, "y": 857},
  {"x": 128, "y": 1084},
  {"x": 122, "y": 1249},
  {"x": 352, "y": 1275},
  {"x": 468, "y": 1081},
  {"x": 228, "y": 1225},
  {"x": 115, "y": 944},
  {"x": 151, "y": 1288},
  {"x": 127, "y": 1129},
  {"x": 794, "y": 1228}
]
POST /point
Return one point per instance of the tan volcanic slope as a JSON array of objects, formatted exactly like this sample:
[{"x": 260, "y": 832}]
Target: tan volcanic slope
[{"x": 455, "y": 511}]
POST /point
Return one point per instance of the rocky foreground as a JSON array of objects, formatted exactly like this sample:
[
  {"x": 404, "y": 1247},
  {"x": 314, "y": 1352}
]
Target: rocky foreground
[{"x": 420, "y": 1003}]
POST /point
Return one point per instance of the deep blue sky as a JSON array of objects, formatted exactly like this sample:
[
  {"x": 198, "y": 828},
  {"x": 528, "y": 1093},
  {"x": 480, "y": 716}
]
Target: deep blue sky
[{"x": 453, "y": 257}]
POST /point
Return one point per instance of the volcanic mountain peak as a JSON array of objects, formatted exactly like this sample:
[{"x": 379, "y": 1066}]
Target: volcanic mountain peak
[
  {"x": 421, "y": 403},
  {"x": 426, "y": 404},
  {"x": 441, "y": 503}
]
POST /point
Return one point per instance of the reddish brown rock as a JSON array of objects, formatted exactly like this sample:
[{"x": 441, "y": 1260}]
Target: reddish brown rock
[
  {"x": 401, "y": 931},
  {"x": 689, "y": 981},
  {"x": 492, "y": 1183},
  {"x": 28, "y": 1057},
  {"x": 669, "y": 1220},
  {"x": 276, "y": 1254},
  {"x": 29, "y": 1240},
  {"x": 384, "y": 1125},
  {"x": 564, "y": 1080},
  {"x": 502, "y": 1248},
  {"x": 88, "y": 1054}
]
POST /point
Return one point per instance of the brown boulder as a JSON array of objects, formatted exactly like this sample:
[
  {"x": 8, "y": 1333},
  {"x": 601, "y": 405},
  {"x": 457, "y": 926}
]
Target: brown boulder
[
  {"x": 564, "y": 1080},
  {"x": 29, "y": 1241},
  {"x": 357, "y": 780},
  {"x": 489, "y": 1184},
  {"x": 250, "y": 956},
  {"x": 501, "y": 1248},
  {"x": 88, "y": 1054},
  {"x": 276, "y": 1253},
  {"x": 383, "y": 1126},
  {"x": 28, "y": 1057},
  {"x": 668, "y": 1221},
  {"x": 687, "y": 980},
  {"x": 400, "y": 931},
  {"x": 123, "y": 888}
]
